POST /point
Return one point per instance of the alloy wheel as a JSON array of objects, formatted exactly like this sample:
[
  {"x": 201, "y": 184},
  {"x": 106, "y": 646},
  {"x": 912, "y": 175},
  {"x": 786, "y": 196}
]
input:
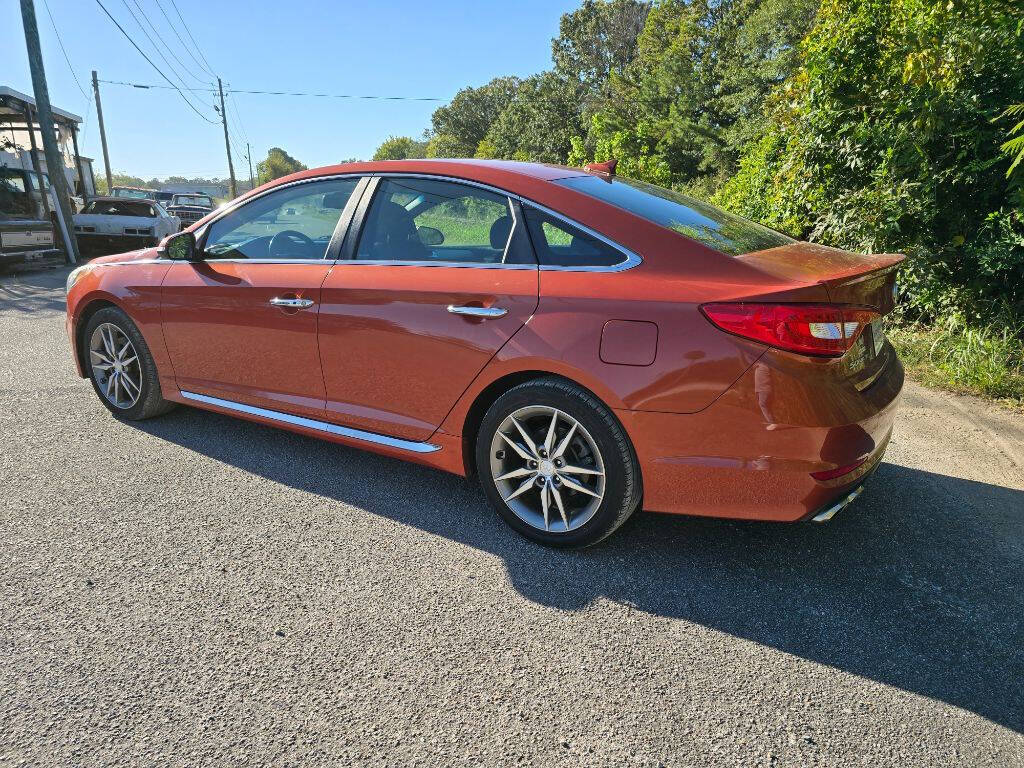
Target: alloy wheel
[
  {"x": 115, "y": 365},
  {"x": 547, "y": 468}
]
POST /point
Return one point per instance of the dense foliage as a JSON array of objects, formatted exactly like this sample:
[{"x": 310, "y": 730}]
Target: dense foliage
[
  {"x": 887, "y": 138},
  {"x": 873, "y": 125}
]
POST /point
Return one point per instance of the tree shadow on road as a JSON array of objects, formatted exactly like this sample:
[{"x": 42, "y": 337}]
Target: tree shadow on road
[
  {"x": 919, "y": 585},
  {"x": 33, "y": 292}
]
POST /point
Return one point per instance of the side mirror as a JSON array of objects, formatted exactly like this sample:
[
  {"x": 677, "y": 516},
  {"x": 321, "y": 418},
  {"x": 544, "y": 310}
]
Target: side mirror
[
  {"x": 181, "y": 247},
  {"x": 430, "y": 236}
]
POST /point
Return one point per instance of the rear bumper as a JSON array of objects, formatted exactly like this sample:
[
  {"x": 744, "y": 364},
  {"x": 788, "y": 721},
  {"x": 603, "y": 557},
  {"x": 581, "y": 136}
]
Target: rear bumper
[
  {"x": 20, "y": 257},
  {"x": 89, "y": 242},
  {"x": 751, "y": 453}
]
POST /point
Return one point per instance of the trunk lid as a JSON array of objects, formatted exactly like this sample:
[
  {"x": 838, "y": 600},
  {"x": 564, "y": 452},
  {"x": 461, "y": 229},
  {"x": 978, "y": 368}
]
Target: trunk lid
[{"x": 848, "y": 278}]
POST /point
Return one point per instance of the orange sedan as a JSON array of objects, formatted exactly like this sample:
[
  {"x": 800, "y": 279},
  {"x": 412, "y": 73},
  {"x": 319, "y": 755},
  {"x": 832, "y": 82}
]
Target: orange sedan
[{"x": 585, "y": 344}]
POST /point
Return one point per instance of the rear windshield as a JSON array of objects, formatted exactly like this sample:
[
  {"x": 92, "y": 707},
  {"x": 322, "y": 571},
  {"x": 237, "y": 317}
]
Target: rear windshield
[
  {"x": 120, "y": 208},
  {"x": 700, "y": 221},
  {"x": 200, "y": 200}
]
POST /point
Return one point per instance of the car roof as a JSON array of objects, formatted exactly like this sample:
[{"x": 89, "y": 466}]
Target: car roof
[
  {"x": 508, "y": 174},
  {"x": 112, "y": 199}
]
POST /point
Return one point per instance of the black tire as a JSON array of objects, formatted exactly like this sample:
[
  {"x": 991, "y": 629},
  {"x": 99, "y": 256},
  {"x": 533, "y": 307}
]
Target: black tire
[
  {"x": 622, "y": 479},
  {"x": 149, "y": 402}
]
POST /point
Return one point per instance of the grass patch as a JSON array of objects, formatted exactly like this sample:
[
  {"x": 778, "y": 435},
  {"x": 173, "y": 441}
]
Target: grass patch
[{"x": 986, "y": 361}]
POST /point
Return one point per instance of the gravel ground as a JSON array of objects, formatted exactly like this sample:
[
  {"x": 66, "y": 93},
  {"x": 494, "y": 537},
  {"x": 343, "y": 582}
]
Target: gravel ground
[{"x": 197, "y": 590}]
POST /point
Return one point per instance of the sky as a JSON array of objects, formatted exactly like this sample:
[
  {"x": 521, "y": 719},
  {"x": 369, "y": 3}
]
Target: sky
[{"x": 395, "y": 48}]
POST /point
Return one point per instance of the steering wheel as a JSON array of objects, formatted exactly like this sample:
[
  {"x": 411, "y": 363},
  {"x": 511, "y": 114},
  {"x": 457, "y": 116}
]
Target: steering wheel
[{"x": 278, "y": 245}]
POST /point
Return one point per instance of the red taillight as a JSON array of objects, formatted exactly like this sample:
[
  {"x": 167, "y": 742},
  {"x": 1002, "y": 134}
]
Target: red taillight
[{"x": 810, "y": 329}]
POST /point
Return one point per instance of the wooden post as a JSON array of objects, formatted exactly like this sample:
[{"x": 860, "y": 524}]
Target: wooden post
[
  {"x": 54, "y": 161},
  {"x": 227, "y": 142},
  {"x": 103, "y": 132},
  {"x": 78, "y": 160},
  {"x": 30, "y": 121}
]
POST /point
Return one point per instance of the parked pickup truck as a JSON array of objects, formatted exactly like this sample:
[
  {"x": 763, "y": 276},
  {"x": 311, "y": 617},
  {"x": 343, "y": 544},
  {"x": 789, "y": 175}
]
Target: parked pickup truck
[
  {"x": 25, "y": 232},
  {"x": 190, "y": 208}
]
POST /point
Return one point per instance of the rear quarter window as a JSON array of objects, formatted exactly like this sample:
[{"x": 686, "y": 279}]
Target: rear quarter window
[
  {"x": 700, "y": 221},
  {"x": 560, "y": 244}
]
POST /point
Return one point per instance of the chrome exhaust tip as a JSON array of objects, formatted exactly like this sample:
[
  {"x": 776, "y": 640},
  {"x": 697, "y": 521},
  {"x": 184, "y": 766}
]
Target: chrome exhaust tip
[{"x": 829, "y": 513}]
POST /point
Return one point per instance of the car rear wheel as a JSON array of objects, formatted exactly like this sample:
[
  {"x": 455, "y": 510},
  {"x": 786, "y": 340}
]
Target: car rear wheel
[
  {"x": 121, "y": 368},
  {"x": 556, "y": 464}
]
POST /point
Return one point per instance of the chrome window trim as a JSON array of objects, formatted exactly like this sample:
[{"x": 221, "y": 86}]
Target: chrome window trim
[
  {"x": 462, "y": 264},
  {"x": 431, "y": 262},
  {"x": 632, "y": 259},
  {"x": 327, "y": 262},
  {"x": 321, "y": 426}
]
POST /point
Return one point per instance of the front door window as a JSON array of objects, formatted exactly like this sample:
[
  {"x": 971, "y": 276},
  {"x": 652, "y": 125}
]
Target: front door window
[{"x": 295, "y": 222}]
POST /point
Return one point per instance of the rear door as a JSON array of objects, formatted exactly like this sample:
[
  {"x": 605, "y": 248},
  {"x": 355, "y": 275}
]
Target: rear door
[
  {"x": 438, "y": 276},
  {"x": 241, "y": 324}
]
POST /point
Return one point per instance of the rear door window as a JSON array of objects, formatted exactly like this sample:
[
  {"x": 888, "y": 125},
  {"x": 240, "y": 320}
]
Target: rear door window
[{"x": 431, "y": 220}]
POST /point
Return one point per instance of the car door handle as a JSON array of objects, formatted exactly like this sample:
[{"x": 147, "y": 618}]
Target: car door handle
[
  {"x": 292, "y": 303},
  {"x": 478, "y": 311}
]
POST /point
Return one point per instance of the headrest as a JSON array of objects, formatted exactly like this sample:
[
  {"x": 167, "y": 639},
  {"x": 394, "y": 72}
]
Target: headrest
[
  {"x": 499, "y": 232},
  {"x": 336, "y": 199}
]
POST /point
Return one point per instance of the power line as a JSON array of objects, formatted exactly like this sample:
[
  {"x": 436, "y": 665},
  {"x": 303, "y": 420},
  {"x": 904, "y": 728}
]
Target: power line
[
  {"x": 238, "y": 115},
  {"x": 62, "y": 50},
  {"x": 181, "y": 40},
  {"x": 157, "y": 48},
  {"x": 166, "y": 46},
  {"x": 164, "y": 87},
  {"x": 283, "y": 93},
  {"x": 141, "y": 53},
  {"x": 188, "y": 32},
  {"x": 341, "y": 95}
]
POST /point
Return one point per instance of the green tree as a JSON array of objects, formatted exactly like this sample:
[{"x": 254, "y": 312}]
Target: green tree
[
  {"x": 400, "y": 148},
  {"x": 446, "y": 145},
  {"x": 466, "y": 119},
  {"x": 596, "y": 40},
  {"x": 539, "y": 123},
  {"x": 278, "y": 163},
  {"x": 887, "y": 139},
  {"x": 693, "y": 97}
]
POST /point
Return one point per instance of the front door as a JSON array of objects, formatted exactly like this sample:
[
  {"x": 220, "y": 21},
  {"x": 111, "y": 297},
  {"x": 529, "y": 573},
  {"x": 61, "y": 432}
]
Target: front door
[
  {"x": 241, "y": 324},
  {"x": 441, "y": 276}
]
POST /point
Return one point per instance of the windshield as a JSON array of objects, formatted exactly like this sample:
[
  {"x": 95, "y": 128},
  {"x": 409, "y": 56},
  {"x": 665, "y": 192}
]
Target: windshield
[
  {"x": 136, "y": 194},
  {"x": 120, "y": 208},
  {"x": 200, "y": 200},
  {"x": 14, "y": 200},
  {"x": 700, "y": 221}
]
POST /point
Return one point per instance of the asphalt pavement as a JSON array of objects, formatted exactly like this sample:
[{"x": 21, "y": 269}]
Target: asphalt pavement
[{"x": 197, "y": 590}]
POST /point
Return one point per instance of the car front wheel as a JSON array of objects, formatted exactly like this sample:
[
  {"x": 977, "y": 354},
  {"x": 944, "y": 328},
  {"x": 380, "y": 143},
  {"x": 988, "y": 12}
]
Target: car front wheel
[
  {"x": 120, "y": 366},
  {"x": 556, "y": 464}
]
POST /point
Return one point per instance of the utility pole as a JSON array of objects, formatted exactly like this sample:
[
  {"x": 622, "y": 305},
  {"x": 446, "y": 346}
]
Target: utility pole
[
  {"x": 54, "y": 161},
  {"x": 248, "y": 156},
  {"x": 103, "y": 132},
  {"x": 227, "y": 142}
]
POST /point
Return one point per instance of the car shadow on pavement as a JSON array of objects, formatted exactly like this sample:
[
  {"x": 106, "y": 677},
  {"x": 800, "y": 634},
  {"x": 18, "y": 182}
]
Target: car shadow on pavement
[{"x": 918, "y": 585}]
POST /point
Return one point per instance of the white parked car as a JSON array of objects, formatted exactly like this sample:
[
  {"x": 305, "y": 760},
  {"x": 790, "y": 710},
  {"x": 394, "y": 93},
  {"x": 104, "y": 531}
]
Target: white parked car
[{"x": 114, "y": 224}]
